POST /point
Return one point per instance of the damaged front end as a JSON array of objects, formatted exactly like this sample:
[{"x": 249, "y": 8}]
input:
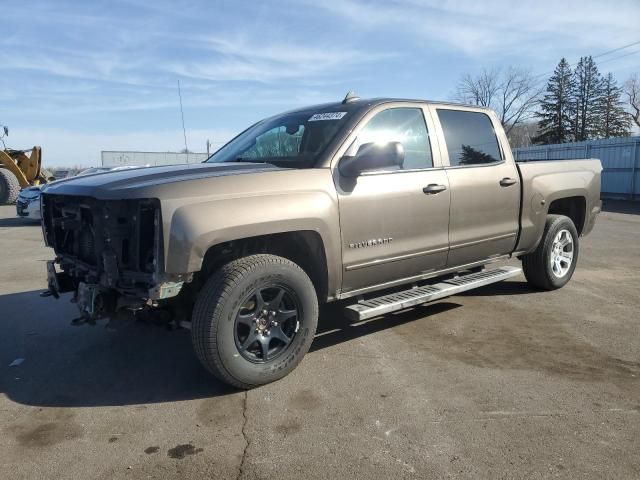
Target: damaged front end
[{"x": 108, "y": 252}]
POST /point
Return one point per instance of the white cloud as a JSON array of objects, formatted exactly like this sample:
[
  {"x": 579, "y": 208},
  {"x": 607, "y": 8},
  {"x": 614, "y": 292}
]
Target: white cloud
[
  {"x": 241, "y": 57},
  {"x": 122, "y": 53},
  {"x": 498, "y": 27},
  {"x": 137, "y": 69}
]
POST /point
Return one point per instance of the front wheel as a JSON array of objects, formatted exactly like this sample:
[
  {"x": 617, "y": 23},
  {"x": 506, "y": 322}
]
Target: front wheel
[
  {"x": 551, "y": 265},
  {"x": 254, "y": 320}
]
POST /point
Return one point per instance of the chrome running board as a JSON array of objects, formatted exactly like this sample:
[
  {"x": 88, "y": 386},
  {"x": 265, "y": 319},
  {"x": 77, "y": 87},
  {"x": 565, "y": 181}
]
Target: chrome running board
[{"x": 374, "y": 307}]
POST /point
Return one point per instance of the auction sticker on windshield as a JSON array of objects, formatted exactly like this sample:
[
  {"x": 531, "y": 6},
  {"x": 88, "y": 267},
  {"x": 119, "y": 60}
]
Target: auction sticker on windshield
[{"x": 327, "y": 116}]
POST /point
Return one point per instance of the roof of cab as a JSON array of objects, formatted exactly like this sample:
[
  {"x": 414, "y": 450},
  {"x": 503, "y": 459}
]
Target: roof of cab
[{"x": 358, "y": 103}]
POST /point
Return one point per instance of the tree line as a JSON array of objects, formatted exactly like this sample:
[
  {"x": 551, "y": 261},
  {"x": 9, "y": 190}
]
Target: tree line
[
  {"x": 581, "y": 104},
  {"x": 577, "y": 103}
]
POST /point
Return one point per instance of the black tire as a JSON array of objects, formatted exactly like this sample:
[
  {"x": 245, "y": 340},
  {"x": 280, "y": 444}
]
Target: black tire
[
  {"x": 9, "y": 187},
  {"x": 537, "y": 265},
  {"x": 214, "y": 327}
]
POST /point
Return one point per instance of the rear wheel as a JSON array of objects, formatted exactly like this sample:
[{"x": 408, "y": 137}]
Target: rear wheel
[
  {"x": 254, "y": 320},
  {"x": 9, "y": 187},
  {"x": 552, "y": 263}
]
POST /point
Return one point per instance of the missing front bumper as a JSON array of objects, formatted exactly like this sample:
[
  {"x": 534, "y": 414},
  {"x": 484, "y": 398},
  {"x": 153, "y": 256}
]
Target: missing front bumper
[
  {"x": 95, "y": 299},
  {"x": 58, "y": 282}
]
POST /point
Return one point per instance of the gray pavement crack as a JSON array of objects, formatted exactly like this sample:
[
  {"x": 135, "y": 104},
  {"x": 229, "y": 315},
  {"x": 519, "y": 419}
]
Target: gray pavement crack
[{"x": 247, "y": 442}]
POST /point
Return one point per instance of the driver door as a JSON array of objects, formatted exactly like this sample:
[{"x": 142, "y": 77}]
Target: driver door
[{"x": 394, "y": 223}]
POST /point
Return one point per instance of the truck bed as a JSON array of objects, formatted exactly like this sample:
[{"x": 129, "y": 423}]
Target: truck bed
[{"x": 545, "y": 181}]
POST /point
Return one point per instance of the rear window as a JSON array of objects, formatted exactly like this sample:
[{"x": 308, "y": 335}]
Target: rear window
[{"x": 470, "y": 137}]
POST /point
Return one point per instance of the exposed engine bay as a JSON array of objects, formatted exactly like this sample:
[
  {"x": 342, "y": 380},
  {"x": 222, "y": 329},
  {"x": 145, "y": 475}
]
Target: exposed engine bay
[{"x": 109, "y": 253}]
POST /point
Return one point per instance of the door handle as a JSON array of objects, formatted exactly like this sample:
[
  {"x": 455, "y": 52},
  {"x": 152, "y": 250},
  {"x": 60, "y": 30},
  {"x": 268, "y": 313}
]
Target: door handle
[
  {"x": 434, "y": 188},
  {"x": 507, "y": 182}
]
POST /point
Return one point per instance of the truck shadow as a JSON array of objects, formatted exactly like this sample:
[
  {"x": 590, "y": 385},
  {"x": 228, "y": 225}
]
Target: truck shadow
[
  {"x": 18, "y": 222},
  {"x": 501, "y": 288},
  {"x": 137, "y": 363},
  {"x": 621, "y": 206},
  {"x": 333, "y": 328},
  {"x": 73, "y": 366}
]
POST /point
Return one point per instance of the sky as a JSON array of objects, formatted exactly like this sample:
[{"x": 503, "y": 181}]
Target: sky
[{"x": 79, "y": 77}]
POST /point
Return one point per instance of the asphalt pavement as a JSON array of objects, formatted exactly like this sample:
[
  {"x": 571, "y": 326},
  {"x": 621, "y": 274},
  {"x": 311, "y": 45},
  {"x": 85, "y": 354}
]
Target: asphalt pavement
[{"x": 501, "y": 382}]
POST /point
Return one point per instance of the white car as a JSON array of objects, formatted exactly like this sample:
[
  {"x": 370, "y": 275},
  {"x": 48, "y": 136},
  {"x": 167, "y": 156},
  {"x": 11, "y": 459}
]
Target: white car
[{"x": 28, "y": 201}]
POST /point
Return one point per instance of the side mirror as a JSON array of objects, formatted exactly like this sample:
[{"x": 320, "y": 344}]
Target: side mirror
[
  {"x": 292, "y": 129},
  {"x": 372, "y": 156}
]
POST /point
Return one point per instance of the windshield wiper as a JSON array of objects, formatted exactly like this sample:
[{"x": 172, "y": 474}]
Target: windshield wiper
[
  {"x": 246, "y": 159},
  {"x": 251, "y": 160}
]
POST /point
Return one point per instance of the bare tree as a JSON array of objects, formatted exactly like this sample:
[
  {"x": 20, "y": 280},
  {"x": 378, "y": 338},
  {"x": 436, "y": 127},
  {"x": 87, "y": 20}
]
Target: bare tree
[
  {"x": 482, "y": 89},
  {"x": 513, "y": 93},
  {"x": 632, "y": 91}
]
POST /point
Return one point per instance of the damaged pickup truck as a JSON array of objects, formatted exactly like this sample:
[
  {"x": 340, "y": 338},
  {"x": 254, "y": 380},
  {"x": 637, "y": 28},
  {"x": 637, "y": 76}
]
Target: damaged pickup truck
[{"x": 390, "y": 203}]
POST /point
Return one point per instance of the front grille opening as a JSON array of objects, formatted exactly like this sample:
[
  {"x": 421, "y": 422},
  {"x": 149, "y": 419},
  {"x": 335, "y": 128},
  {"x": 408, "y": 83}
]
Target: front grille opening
[
  {"x": 147, "y": 237},
  {"x": 125, "y": 251},
  {"x": 86, "y": 238},
  {"x": 87, "y": 245},
  {"x": 88, "y": 233}
]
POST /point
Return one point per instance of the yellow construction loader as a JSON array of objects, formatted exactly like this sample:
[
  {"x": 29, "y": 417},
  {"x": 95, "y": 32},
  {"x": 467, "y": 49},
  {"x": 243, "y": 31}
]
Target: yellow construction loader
[{"x": 19, "y": 169}]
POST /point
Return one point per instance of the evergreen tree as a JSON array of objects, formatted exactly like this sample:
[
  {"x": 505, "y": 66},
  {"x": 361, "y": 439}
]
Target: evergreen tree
[
  {"x": 471, "y": 156},
  {"x": 587, "y": 99},
  {"x": 556, "y": 107},
  {"x": 613, "y": 120}
]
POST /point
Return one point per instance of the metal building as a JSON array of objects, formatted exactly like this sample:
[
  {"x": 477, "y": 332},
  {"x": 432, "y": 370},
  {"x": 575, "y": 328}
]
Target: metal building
[
  {"x": 116, "y": 159},
  {"x": 620, "y": 161}
]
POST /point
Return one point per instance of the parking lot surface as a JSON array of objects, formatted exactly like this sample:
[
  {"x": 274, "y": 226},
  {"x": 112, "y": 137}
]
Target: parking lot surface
[{"x": 502, "y": 382}]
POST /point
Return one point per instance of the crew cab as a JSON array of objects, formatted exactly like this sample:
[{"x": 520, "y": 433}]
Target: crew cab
[{"x": 387, "y": 202}]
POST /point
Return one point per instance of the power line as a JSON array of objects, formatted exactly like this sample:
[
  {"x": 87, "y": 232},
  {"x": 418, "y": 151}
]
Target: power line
[
  {"x": 619, "y": 56},
  {"x": 616, "y": 49},
  {"x": 572, "y": 65}
]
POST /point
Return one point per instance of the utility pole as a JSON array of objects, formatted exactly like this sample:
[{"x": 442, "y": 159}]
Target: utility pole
[{"x": 184, "y": 130}]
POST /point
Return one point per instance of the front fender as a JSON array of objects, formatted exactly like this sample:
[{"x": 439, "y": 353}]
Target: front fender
[{"x": 192, "y": 228}]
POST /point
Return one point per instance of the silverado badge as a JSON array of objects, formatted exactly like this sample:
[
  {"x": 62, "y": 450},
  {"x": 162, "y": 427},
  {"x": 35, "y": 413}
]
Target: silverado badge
[{"x": 371, "y": 243}]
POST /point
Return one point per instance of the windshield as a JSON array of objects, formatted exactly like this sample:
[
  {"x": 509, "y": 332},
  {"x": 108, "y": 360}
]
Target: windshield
[{"x": 292, "y": 140}]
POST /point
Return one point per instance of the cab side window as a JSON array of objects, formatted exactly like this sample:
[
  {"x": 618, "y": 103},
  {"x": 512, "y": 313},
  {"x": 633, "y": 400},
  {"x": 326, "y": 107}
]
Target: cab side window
[
  {"x": 404, "y": 125},
  {"x": 470, "y": 137}
]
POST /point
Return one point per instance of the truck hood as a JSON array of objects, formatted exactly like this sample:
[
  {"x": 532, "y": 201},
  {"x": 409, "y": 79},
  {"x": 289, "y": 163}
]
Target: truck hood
[{"x": 138, "y": 182}]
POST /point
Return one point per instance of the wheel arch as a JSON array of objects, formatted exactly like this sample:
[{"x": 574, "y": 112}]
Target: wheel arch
[
  {"x": 305, "y": 248},
  {"x": 573, "y": 207}
]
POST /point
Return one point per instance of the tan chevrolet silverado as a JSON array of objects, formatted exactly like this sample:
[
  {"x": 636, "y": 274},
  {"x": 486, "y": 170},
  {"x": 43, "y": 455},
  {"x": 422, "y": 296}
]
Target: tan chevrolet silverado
[{"x": 388, "y": 203}]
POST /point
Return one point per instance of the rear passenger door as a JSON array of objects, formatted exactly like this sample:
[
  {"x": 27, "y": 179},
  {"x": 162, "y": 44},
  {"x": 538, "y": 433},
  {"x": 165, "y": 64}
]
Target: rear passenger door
[{"x": 485, "y": 190}]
